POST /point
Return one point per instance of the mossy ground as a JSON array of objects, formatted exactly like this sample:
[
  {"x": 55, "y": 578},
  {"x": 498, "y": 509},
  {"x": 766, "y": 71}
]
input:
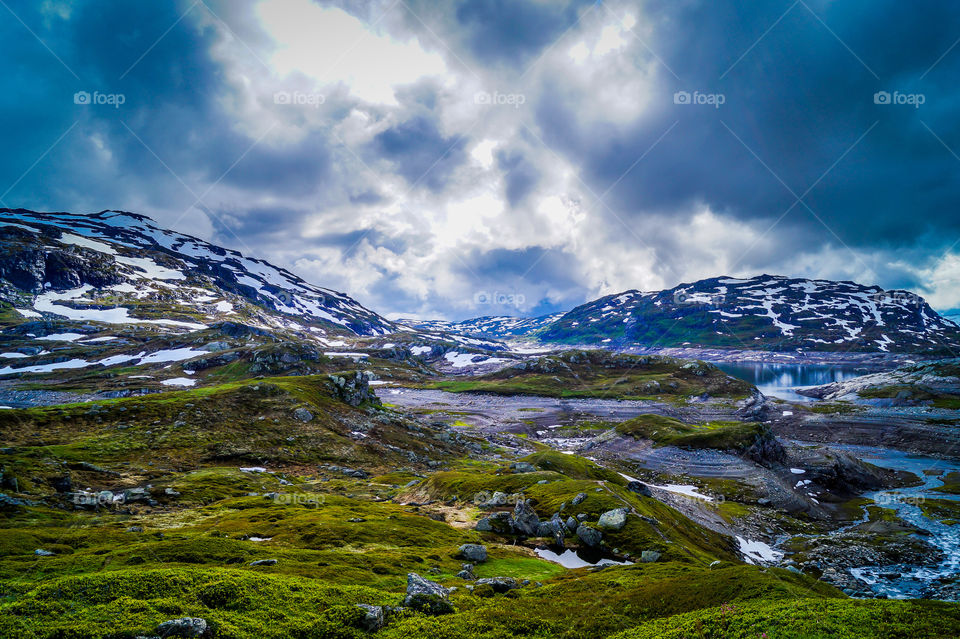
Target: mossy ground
[
  {"x": 667, "y": 431},
  {"x": 339, "y": 540},
  {"x": 597, "y": 374}
]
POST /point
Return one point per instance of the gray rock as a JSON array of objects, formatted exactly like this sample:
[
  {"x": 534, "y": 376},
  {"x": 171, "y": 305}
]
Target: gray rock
[
  {"x": 137, "y": 495},
  {"x": 639, "y": 488},
  {"x": 522, "y": 467},
  {"x": 572, "y": 524},
  {"x": 184, "y": 627},
  {"x": 374, "y": 617},
  {"x": 466, "y": 575},
  {"x": 589, "y": 536},
  {"x": 497, "y": 522},
  {"x": 475, "y": 553},
  {"x": 482, "y": 500},
  {"x": 579, "y": 499},
  {"x": 417, "y": 585},
  {"x": 525, "y": 521},
  {"x": 42, "y": 553},
  {"x": 499, "y": 584},
  {"x": 264, "y": 562},
  {"x": 649, "y": 556},
  {"x": 303, "y": 415},
  {"x": 614, "y": 519}
]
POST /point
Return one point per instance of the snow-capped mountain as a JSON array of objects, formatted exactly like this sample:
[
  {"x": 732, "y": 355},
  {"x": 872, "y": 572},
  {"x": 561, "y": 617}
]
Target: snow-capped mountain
[
  {"x": 118, "y": 267},
  {"x": 764, "y": 312},
  {"x": 767, "y": 312},
  {"x": 501, "y": 327}
]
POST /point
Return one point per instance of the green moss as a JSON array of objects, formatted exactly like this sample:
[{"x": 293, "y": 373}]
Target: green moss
[
  {"x": 943, "y": 510},
  {"x": 667, "y": 431},
  {"x": 601, "y": 374},
  {"x": 809, "y": 619}
]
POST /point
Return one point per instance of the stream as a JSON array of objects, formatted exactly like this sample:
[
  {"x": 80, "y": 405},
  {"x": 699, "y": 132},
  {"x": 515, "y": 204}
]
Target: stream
[{"x": 911, "y": 581}]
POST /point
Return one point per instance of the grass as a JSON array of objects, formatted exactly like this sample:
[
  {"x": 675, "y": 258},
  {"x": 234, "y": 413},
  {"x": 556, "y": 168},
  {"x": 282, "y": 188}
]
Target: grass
[
  {"x": 809, "y": 619},
  {"x": 600, "y": 374},
  {"x": 667, "y": 431}
]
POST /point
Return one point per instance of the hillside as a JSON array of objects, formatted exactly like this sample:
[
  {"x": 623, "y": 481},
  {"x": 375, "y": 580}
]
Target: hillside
[{"x": 118, "y": 267}]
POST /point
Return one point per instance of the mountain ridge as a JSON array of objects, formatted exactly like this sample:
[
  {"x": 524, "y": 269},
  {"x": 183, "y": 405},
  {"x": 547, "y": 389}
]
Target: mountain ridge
[
  {"x": 764, "y": 312},
  {"x": 97, "y": 250}
]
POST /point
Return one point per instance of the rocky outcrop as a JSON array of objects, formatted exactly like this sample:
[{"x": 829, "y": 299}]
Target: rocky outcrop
[
  {"x": 354, "y": 389},
  {"x": 474, "y": 553}
]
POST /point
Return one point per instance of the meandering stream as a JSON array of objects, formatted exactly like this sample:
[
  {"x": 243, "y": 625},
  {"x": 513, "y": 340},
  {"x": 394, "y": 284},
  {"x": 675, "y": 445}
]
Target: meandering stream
[{"x": 913, "y": 581}]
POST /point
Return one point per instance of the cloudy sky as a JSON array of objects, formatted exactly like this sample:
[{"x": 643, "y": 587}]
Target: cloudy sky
[{"x": 476, "y": 157}]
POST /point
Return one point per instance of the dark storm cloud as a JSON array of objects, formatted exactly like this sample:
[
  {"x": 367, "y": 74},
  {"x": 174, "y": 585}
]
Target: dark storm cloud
[
  {"x": 529, "y": 281},
  {"x": 799, "y": 100},
  {"x": 520, "y": 174},
  {"x": 796, "y": 95},
  {"x": 420, "y": 153},
  {"x": 514, "y": 31}
]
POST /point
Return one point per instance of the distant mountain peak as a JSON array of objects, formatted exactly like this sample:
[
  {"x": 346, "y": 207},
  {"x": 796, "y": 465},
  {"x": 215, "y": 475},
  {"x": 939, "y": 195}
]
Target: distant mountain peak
[{"x": 130, "y": 258}]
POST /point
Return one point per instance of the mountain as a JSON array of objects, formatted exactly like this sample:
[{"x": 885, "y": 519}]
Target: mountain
[
  {"x": 767, "y": 312},
  {"x": 491, "y": 327},
  {"x": 119, "y": 267}
]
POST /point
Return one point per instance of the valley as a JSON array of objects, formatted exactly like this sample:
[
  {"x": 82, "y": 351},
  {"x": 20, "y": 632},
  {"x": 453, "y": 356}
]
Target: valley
[{"x": 197, "y": 443}]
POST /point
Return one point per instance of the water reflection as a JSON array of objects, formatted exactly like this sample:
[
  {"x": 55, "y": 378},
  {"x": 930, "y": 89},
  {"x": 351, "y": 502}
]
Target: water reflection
[
  {"x": 780, "y": 380},
  {"x": 579, "y": 559}
]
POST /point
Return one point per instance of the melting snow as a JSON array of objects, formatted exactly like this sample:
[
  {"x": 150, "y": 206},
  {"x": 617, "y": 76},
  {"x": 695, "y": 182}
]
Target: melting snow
[
  {"x": 62, "y": 337},
  {"x": 689, "y": 491},
  {"x": 757, "y": 551},
  {"x": 179, "y": 381}
]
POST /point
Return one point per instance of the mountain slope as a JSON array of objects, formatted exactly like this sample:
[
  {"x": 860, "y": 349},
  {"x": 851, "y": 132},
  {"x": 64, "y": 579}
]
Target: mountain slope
[
  {"x": 491, "y": 327},
  {"x": 766, "y": 312},
  {"x": 119, "y": 267}
]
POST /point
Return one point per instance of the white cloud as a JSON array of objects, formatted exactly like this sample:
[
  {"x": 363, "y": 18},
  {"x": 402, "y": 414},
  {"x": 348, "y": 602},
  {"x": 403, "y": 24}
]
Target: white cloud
[{"x": 330, "y": 46}]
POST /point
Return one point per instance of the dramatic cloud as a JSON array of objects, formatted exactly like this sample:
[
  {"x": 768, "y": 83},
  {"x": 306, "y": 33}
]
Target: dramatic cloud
[{"x": 503, "y": 157}]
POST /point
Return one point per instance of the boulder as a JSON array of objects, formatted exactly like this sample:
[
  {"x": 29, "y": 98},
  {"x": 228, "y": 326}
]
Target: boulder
[
  {"x": 184, "y": 627},
  {"x": 426, "y": 596},
  {"x": 485, "y": 500},
  {"x": 579, "y": 499},
  {"x": 639, "y": 488},
  {"x": 525, "y": 521},
  {"x": 499, "y": 584},
  {"x": 614, "y": 519},
  {"x": 497, "y": 522},
  {"x": 417, "y": 585},
  {"x": 522, "y": 467},
  {"x": 374, "y": 617},
  {"x": 354, "y": 390},
  {"x": 649, "y": 556},
  {"x": 264, "y": 562},
  {"x": 589, "y": 536},
  {"x": 474, "y": 553},
  {"x": 303, "y": 415}
]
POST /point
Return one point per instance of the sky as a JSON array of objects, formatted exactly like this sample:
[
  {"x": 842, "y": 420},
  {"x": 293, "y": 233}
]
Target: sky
[{"x": 458, "y": 158}]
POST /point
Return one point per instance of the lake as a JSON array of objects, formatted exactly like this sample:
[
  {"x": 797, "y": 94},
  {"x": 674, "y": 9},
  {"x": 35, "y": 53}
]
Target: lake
[{"x": 780, "y": 380}]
